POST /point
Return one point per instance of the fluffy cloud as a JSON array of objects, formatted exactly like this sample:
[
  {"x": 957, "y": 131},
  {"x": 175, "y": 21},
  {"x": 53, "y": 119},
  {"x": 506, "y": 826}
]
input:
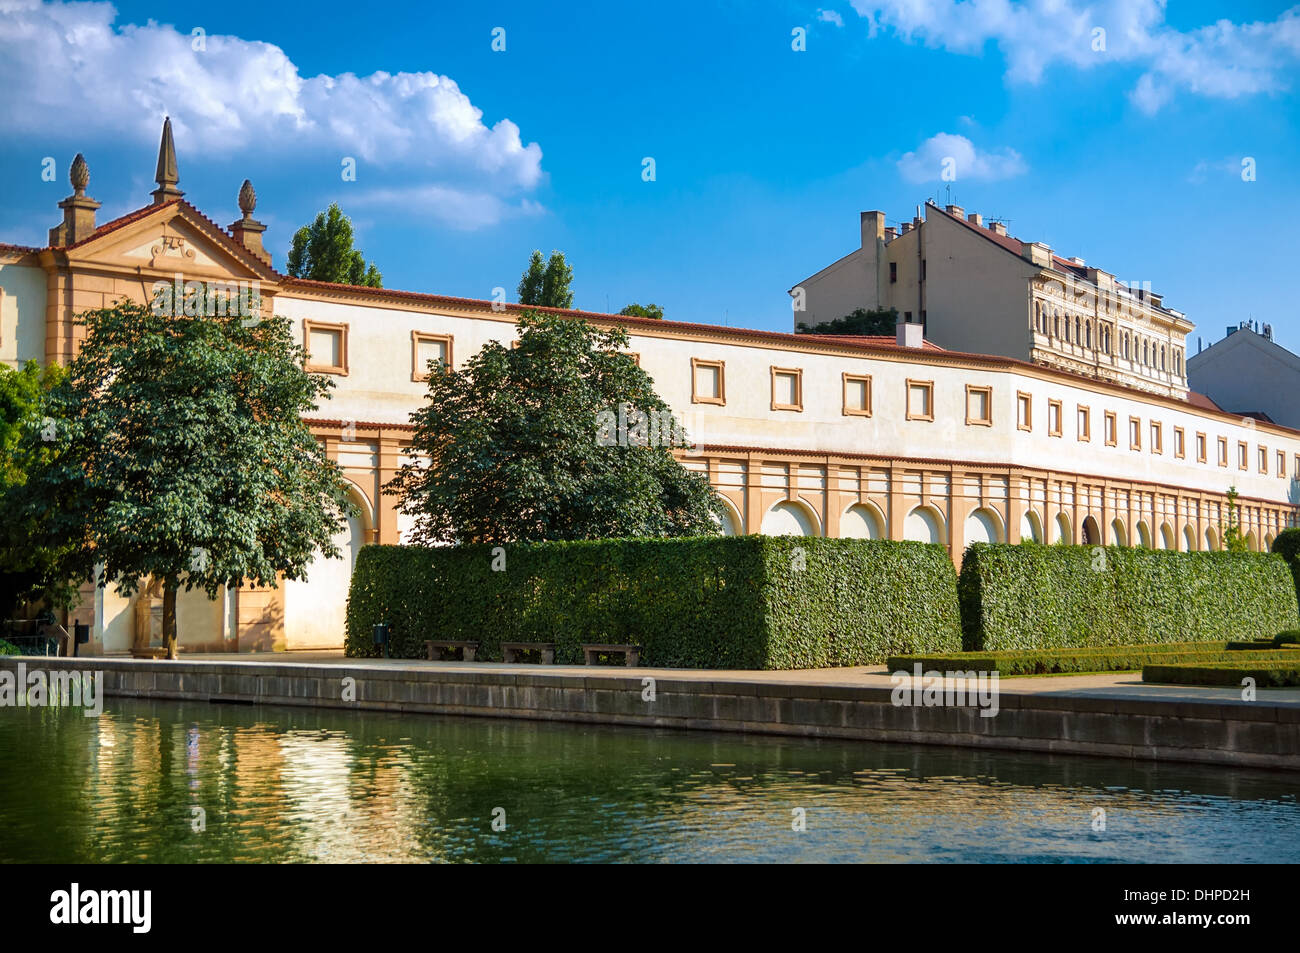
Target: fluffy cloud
[
  {"x": 830, "y": 16},
  {"x": 69, "y": 63},
  {"x": 948, "y": 151},
  {"x": 1224, "y": 60}
]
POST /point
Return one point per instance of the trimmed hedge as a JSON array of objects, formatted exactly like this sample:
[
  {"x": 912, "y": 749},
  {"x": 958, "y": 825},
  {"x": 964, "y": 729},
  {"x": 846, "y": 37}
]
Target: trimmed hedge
[
  {"x": 8, "y": 648},
  {"x": 748, "y": 602},
  {"x": 1265, "y": 674},
  {"x": 1068, "y": 661},
  {"x": 1026, "y": 596},
  {"x": 1287, "y": 545}
]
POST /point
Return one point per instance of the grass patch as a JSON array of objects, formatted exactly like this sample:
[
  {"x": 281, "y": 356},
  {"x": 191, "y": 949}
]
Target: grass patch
[{"x": 1267, "y": 674}]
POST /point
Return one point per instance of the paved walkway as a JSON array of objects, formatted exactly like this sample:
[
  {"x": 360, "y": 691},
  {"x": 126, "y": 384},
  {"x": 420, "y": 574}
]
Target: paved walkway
[{"x": 1127, "y": 685}]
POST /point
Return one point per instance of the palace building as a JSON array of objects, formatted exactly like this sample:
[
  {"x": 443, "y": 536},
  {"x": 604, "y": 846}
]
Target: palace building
[{"x": 1023, "y": 397}]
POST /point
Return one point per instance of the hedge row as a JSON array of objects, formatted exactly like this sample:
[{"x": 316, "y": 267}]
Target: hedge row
[
  {"x": 1026, "y": 596},
  {"x": 1075, "y": 661},
  {"x": 1265, "y": 674},
  {"x": 752, "y": 602}
]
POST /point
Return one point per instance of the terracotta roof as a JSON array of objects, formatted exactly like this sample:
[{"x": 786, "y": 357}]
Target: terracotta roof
[
  {"x": 20, "y": 249},
  {"x": 1204, "y": 402},
  {"x": 117, "y": 223}
]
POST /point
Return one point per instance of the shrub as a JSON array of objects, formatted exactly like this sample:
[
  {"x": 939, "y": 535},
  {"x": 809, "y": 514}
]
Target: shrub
[
  {"x": 8, "y": 648},
  {"x": 1287, "y": 545},
  {"x": 1031, "y": 597},
  {"x": 755, "y": 602},
  {"x": 1265, "y": 674}
]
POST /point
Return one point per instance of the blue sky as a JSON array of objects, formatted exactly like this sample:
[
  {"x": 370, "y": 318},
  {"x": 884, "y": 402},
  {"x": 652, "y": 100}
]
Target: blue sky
[{"x": 1129, "y": 157}]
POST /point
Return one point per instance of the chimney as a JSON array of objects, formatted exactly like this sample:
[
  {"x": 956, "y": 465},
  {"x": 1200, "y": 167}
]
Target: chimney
[
  {"x": 78, "y": 208},
  {"x": 909, "y": 334},
  {"x": 1036, "y": 253},
  {"x": 1075, "y": 260},
  {"x": 956, "y": 211},
  {"x": 166, "y": 175},
  {"x": 906, "y": 227},
  {"x": 976, "y": 219},
  {"x": 998, "y": 228},
  {"x": 248, "y": 231},
  {"x": 873, "y": 228}
]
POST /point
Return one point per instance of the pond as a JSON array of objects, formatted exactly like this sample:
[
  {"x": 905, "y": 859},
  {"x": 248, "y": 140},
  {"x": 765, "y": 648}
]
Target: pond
[{"x": 189, "y": 782}]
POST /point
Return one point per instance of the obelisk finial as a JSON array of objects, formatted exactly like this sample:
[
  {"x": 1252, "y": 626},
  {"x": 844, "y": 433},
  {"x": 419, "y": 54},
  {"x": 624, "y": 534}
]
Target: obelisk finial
[{"x": 166, "y": 175}]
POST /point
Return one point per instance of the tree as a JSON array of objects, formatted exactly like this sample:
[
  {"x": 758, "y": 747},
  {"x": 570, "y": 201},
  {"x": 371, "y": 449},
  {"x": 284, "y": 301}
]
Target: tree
[
  {"x": 635, "y": 310},
  {"x": 322, "y": 251},
  {"x": 28, "y": 571},
  {"x": 546, "y": 286},
  {"x": 525, "y": 444},
  {"x": 1233, "y": 540},
  {"x": 180, "y": 453},
  {"x": 861, "y": 321}
]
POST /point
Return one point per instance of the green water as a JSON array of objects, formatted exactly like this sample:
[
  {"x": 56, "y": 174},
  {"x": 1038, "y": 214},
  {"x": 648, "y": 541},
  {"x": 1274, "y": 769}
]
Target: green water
[{"x": 281, "y": 784}]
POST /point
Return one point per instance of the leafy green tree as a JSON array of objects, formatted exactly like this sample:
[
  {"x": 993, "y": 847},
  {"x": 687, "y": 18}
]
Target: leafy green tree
[
  {"x": 28, "y": 571},
  {"x": 524, "y": 444},
  {"x": 322, "y": 251},
  {"x": 180, "y": 453},
  {"x": 861, "y": 321},
  {"x": 546, "y": 285},
  {"x": 652, "y": 310},
  {"x": 1233, "y": 539}
]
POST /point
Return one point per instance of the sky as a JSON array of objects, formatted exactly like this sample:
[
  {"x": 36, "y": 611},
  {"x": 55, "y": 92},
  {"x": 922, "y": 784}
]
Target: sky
[{"x": 1157, "y": 142}]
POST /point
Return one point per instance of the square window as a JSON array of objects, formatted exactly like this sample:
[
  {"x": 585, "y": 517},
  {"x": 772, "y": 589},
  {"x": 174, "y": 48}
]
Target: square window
[
  {"x": 1053, "y": 418},
  {"x": 857, "y": 395},
  {"x": 327, "y": 347},
  {"x": 709, "y": 382},
  {"x": 1180, "y": 446},
  {"x": 1112, "y": 429},
  {"x": 1084, "y": 423},
  {"x": 426, "y": 348},
  {"x": 1134, "y": 433},
  {"x": 1024, "y": 411},
  {"x": 1157, "y": 437},
  {"x": 979, "y": 406},
  {"x": 1200, "y": 448},
  {"x": 787, "y": 388},
  {"x": 920, "y": 400}
]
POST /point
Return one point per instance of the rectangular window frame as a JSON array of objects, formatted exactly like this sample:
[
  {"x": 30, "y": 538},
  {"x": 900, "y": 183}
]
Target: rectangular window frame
[
  {"x": 1157, "y": 437},
  {"x": 929, "y": 386},
  {"x": 1262, "y": 459},
  {"x": 1202, "y": 447},
  {"x": 308, "y": 327},
  {"x": 987, "y": 391},
  {"x": 1055, "y": 405},
  {"x": 1180, "y": 443},
  {"x": 1112, "y": 429},
  {"x": 1281, "y": 463},
  {"x": 1083, "y": 423},
  {"x": 865, "y": 380},
  {"x": 1223, "y": 452},
  {"x": 797, "y": 406},
  {"x": 421, "y": 337},
  {"x": 1135, "y": 433},
  {"x": 1243, "y": 455},
  {"x": 1025, "y": 401},
  {"x": 696, "y": 397}
]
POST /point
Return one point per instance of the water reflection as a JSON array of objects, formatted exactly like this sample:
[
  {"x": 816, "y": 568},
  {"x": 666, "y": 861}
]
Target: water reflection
[{"x": 300, "y": 785}]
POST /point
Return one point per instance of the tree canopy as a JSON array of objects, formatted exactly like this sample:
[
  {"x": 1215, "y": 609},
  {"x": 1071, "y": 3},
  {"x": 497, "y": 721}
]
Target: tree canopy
[
  {"x": 180, "y": 453},
  {"x": 560, "y": 438},
  {"x": 546, "y": 285},
  {"x": 860, "y": 321},
  {"x": 651, "y": 310},
  {"x": 322, "y": 251}
]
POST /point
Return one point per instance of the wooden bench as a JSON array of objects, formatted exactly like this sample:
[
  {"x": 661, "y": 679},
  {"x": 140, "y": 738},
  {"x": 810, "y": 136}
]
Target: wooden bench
[
  {"x": 510, "y": 651},
  {"x": 438, "y": 647},
  {"x": 632, "y": 653}
]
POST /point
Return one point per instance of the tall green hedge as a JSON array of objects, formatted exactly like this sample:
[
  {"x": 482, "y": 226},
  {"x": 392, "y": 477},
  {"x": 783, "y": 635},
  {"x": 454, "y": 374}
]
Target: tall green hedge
[
  {"x": 750, "y": 602},
  {"x": 1028, "y": 596},
  {"x": 1287, "y": 545}
]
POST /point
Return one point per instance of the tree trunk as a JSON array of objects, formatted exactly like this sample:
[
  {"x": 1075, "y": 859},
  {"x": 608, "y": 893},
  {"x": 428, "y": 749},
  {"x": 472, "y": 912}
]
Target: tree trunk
[{"x": 169, "y": 617}]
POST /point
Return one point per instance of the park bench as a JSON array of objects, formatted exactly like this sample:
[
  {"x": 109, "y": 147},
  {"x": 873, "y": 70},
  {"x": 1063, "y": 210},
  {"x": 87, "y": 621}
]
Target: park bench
[
  {"x": 437, "y": 648},
  {"x": 632, "y": 653},
  {"x": 510, "y": 651}
]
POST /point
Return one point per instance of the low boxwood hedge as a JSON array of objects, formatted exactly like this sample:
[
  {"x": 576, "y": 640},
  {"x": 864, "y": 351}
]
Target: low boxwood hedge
[
  {"x": 1027, "y": 596},
  {"x": 1067, "y": 661},
  {"x": 750, "y": 602},
  {"x": 8, "y": 648},
  {"x": 1278, "y": 674}
]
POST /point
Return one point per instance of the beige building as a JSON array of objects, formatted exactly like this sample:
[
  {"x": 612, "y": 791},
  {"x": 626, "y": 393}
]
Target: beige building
[
  {"x": 1250, "y": 374},
  {"x": 814, "y": 435}
]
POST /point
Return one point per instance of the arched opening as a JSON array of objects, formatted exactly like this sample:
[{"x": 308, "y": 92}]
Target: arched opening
[
  {"x": 1189, "y": 539},
  {"x": 1167, "y": 539},
  {"x": 1118, "y": 534},
  {"x": 862, "y": 521},
  {"x": 730, "y": 522},
  {"x": 1268, "y": 542},
  {"x": 1061, "y": 533},
  {"x": 789, "y": 518},
  {"x": 1031, "y": 528},
  {"x": 924, "y": 525},
  {"x": 315, "y": 616},
  {"x": 1144, "y": 535},
  {"x": 1211, "y": 540},
  {"x": 1252, "y": 542},
  {"x": 983, "y": 526},
  {"x": 1091, "y": 534}
]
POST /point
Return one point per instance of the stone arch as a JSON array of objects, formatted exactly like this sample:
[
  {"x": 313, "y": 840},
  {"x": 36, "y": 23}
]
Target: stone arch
[
  {"x": 1167, "y": 539},
  {"x": 862, "y": 521},
  {"x": 731, "y": 523},
  {"x": 983, "y": 526},
  {"x": 1268, "y": 542},
  {"x": 1144, "y": 535},
  {"x": 1062, "y": 532},
  {"x": 314, "y": 615},
  {"x": 790, "y": 518},
  {"x": 1189, "y": 538},
  {"x": 925, "y": 524},
  {"x": 1211, "y": 539},
  {"x": 1118, "y": 534},
  {"x": 1091, "y": 533},
  {"x": 1031, "y": 528},
  {"x": 1252, "y": 542}
]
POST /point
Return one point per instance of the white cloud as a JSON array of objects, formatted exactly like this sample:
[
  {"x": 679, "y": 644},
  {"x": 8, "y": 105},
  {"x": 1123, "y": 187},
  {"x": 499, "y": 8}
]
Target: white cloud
[
  {"x": 948, "y": 151},
  {"x": 458, "y": 208},
  {"x": 68, "y": 65},
  {"x": 1225, "y": 60},
  {"x": 830, "y": 16}
]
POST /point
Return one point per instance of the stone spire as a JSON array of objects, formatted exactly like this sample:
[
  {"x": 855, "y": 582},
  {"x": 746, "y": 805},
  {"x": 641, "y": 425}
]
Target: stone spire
[
  {"x": 166, "y": 175},
  {"x": 78, "y": 208},
  {"x": 248, "y": 230}
]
